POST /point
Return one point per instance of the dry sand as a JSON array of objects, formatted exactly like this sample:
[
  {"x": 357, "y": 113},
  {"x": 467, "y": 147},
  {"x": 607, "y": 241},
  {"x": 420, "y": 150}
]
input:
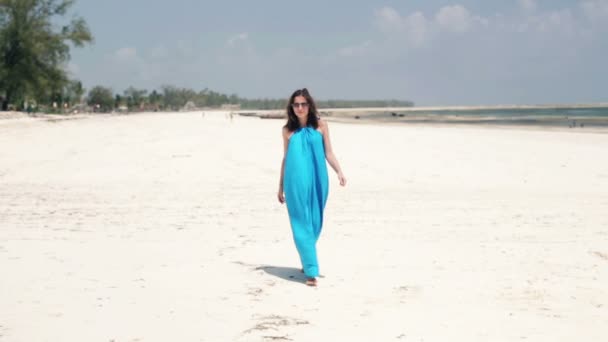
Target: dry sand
[{"x": 159, "y": 227}]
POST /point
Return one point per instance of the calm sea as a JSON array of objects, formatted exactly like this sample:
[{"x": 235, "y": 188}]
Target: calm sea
[{"x": 558, "y": 116}]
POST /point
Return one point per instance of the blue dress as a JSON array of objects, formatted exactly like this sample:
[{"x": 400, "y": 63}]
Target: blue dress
[{"x": 306, "y": 186}]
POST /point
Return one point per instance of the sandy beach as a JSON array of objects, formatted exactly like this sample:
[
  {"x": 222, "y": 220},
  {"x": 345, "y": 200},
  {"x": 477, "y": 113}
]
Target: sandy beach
[{"x": 166, "y": 227}]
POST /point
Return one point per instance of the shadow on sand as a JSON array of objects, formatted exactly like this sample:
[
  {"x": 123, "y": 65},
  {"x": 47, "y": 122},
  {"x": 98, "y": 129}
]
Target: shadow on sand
[{"x": 287, "y": 273}]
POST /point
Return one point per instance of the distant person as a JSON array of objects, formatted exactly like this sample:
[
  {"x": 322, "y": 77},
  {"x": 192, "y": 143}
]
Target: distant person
[{"x": 304, "y": 183}]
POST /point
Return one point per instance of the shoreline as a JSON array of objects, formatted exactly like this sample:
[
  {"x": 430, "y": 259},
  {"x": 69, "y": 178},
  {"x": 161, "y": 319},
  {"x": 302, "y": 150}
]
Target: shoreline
[
  {"x": 525, "y": 120},
  {"x": 540, "y": 127},
  {"x": 479, "y": 107},
  {"x": 581, "y": 124}
]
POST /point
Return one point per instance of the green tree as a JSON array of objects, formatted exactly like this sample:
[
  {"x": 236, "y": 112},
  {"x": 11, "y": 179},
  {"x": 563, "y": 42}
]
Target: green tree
[
  {"x": 155, "y": 100},
  {"x": 34, "y": 48},
  {"x": 175, "y": 98},
  {"x": 136, "y": 98},
  {"x": 74, "y": 92},
  {"x": 117, "y": 101},
  {"x": 101, "y": 99}
]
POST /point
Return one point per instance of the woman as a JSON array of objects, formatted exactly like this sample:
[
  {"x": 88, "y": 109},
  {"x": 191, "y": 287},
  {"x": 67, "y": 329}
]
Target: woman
[{"x": 303, "y": 184}]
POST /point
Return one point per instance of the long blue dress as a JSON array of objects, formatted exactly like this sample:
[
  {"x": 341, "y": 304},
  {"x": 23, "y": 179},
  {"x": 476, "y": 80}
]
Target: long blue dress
[{"x": 306, "y": 186}]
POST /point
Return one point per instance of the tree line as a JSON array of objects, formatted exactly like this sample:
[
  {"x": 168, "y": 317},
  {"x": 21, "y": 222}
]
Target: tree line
[
  {"x": 171, "y": 98},
  {"x": 35, "y": 49}
]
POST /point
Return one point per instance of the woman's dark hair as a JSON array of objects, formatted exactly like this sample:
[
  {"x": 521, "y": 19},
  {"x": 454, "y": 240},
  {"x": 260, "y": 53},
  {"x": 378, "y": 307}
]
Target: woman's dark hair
[{"x": 313, "y": 116}]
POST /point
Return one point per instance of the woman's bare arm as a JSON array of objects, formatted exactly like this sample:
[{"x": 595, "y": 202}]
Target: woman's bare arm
[
  {"x": 329, "y": 152},
  {"x": 280, "y": 195}
]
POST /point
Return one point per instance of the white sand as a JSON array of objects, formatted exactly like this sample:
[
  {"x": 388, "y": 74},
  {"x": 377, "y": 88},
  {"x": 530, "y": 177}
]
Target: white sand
[{"x": 164, "y": 227}]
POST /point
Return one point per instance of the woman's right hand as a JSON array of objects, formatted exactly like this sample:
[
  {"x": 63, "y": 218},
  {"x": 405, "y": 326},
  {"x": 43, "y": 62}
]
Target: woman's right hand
[{"x": 281, "y": 196}]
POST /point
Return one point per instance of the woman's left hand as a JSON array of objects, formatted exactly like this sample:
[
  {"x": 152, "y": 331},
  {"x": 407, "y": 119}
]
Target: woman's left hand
[{"x": 342, "y": 179}]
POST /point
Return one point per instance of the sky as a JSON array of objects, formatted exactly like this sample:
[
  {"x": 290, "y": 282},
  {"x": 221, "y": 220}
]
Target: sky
[{"x": 431, "y": 52}]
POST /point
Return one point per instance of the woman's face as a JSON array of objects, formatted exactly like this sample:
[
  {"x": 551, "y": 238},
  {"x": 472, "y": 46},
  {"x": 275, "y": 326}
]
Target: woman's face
[{"x": 300, "y": 107}]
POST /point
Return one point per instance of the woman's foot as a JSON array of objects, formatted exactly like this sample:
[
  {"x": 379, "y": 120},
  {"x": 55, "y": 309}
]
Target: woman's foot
[{"x": 311, "y": 281}]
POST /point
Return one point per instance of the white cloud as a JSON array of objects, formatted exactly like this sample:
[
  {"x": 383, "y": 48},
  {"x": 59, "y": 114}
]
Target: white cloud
[
  {"x": 159, "y": 52},
  {"x": 125, "y": 54},
  {"x": 596, "y": 10},
  {"x": 558, "y": 20},
  {"x": 388, "y": 20},
  {"x": 356, "y": 50},
  {"x": 454, "y": 19},
  {"x": 554, "y": 22},
  {"x": 417, "y": 28},
  {"x": 528, "y": 5},
  {"x": 457, "y": 19},
  {"x": 232, "y": 41}
]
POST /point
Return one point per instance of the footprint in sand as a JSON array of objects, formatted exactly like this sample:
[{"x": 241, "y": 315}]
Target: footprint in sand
[
  {"x": 406, "y": 292},
  {"x": 255, "y": 292},
  {"x": 600, "y": 255},
  {"x": 269, "y": 328}
]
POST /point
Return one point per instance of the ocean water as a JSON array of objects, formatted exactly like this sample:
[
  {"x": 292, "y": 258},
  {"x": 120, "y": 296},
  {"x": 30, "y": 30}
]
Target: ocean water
[
  {"x": 518, "y": 112},
  {"x": 554, "y": 116}
]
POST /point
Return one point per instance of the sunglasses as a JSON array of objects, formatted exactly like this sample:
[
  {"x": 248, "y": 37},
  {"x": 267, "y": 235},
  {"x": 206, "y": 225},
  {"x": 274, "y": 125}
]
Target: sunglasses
[{"x": 300, "y": 104}]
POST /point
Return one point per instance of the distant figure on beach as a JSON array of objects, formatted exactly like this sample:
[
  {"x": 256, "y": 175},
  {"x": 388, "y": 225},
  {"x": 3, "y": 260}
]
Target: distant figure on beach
[
  {"x": 229, "y": 115},
  {"x": 304, "y": 183}
]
